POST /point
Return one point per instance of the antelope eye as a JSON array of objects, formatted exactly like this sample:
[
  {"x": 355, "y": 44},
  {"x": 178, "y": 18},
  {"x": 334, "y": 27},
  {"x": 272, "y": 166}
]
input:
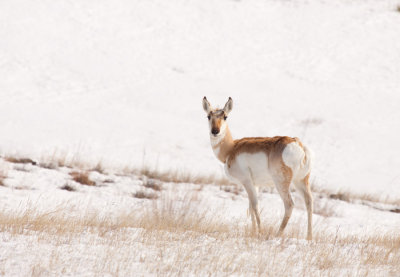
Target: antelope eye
[{"x": 209, "y": 117}]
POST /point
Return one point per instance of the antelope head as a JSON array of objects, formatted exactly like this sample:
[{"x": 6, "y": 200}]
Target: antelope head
[{"x": 217, "y": 117}]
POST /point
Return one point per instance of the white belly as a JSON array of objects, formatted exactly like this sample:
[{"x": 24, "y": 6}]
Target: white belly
[{"x": 250, "y": 167}]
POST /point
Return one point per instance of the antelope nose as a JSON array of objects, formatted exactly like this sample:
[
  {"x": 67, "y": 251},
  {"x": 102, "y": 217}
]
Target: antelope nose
[{"x": 214, "y": 131}]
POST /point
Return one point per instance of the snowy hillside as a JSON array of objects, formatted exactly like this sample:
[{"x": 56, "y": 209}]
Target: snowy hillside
[{"x": 112, "y": 80}]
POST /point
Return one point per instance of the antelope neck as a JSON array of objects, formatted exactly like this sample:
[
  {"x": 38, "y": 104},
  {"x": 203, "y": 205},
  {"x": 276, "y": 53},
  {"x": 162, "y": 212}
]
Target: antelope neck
[{"x": 222, "y": 146}]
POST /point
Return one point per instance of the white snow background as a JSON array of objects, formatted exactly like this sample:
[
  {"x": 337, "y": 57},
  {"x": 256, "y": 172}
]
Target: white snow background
[{"x": 112, "y": 80}]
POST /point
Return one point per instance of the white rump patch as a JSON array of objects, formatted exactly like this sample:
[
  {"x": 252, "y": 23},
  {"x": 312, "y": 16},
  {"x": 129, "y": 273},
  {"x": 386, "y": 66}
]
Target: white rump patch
[{"x": 293, "y": 156}]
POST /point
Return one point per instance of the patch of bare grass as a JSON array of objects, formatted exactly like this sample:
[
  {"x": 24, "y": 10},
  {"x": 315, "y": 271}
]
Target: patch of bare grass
[
  {"x": 142, "y": 194},
  {"x": 21, "y": 188},
  {"x": 152, "y": 184},
  {"x": 3, "y": 173},
  {"x": 68, "y": 187},
  {"x": 340, "y": 196},
  {"x": 82, "y": 178},
  {"x": 18, "y": 160},
  {"x": 49, "y": 165},
  {"x": 3, "y": 176}
]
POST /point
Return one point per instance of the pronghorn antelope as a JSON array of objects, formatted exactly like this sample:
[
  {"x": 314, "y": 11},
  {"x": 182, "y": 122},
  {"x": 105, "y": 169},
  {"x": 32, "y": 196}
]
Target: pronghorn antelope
[{"x": 261, "y": 161}]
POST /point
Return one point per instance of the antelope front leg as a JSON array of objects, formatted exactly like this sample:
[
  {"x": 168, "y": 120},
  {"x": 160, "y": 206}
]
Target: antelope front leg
[{"x": 253, "y": 205}]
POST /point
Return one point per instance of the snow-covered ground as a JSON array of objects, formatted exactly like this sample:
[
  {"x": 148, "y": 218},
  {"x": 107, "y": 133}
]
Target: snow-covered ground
[
  {"x": 121, "y": 83},
  {"x": 126, "y": 224}
]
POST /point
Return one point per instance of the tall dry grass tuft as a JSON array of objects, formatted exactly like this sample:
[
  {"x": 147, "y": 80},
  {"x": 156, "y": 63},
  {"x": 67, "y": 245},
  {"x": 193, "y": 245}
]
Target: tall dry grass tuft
[
  {"x": 65, "y": 159},
  {"x": 181, "y": 216},
  {"x": 56, "y": 159},
  {"x": 82, "y": 178},
  {"x": 99, "y": 168}
]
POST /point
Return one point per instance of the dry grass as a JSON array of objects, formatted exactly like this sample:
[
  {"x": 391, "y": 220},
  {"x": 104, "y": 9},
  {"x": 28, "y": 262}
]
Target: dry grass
[
  {"x": 171, "y": 236},
  {"x": 68, "y": 187},
  {"x": 49, "y": 165},
  {"x": 232, "y": 189},
  {"x": 340, "y": 196},
  {"x": 182, "y": 237},
  {"x": 3, "y": 173},
  {"x": 3, "y": 176},
  {"x": 181, "y": 215},
  {"x": 99, "y": 168},
  {"x": 17, "y": 160},
  {"x": 175, "y": 176},
  {"x": 152, "y": 184},
  {"x": 353, "y": 197},
  {"x": 179, "y": 176},
  {"x": 142, "y": 194},
  {"x": 396, "y": 210},
  {"x": 64, "y": 159},
  {"x": 82, "y": 178},
  {"x": 54, "y": 161}
]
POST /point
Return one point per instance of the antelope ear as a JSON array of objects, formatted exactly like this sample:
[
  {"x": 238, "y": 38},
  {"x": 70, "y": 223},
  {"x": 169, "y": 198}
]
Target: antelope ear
[
  {"x": 206, "y": 105},
  {"x": 228, "y": 106}
]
